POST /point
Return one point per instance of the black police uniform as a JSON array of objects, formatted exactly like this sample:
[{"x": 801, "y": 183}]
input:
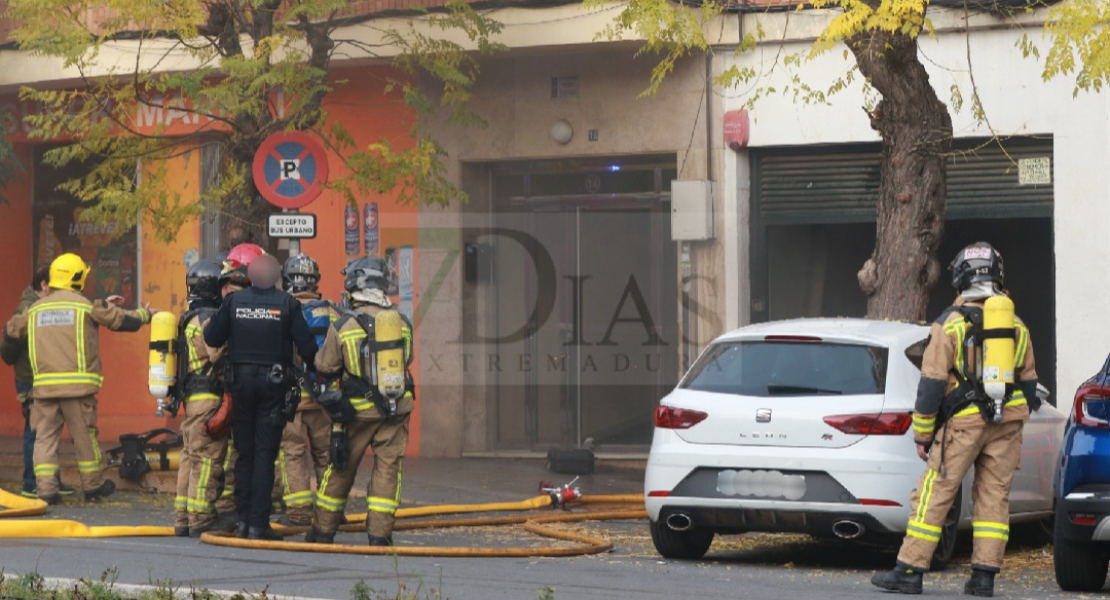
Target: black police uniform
[{"x": 260, "y": 326}]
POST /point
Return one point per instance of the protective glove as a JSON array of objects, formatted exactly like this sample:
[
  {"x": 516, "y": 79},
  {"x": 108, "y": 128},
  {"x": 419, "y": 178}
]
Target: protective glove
[{"x": 339, "y": 451}]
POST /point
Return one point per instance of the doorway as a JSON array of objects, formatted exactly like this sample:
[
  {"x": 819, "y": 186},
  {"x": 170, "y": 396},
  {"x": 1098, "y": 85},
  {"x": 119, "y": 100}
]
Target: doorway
[{"x": 585, "y": 303}]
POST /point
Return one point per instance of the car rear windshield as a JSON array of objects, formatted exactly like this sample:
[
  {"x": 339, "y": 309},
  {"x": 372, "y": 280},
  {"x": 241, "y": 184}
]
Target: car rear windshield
[{"x": 776, "y": 368}]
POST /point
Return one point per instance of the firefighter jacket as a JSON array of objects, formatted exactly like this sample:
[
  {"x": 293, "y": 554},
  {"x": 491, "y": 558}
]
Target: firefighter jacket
[
  {"x": 14, "y": 351},
  {"x": 62, "y": 332},
  {"x": 313, "y": 315},
  {"x": 945, "y": 354},
  {"x": 200, "y": 380},
  {"x": 342, "y": 355}
]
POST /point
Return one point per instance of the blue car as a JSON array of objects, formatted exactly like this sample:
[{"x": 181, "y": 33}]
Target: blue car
[{"x": 1082, "y": 529}]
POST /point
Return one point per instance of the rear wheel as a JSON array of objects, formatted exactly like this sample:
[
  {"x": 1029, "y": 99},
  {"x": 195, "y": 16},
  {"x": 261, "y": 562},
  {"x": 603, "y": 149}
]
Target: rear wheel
[
  {"x": 1080, "y": 566},
  {"x": 946, "y": 547},
  {"x": 682, "y": 545}
]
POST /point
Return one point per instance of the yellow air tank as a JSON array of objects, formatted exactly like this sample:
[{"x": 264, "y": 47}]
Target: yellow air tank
[
  {"x": 163, "y": 358},
  {"x": 391, "y": 362},
  {"x": 998, "y": 350}
]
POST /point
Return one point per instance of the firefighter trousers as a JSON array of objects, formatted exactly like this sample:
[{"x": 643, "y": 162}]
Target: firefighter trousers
[
  {"x": 79, "y": 416},
  {"x": 995, "y": 452},
  {"x": 202, "y": 464},
  {"x": 388, "y": 439},
  {"x": 304, "y": 454},
  {"x": 225, "y": 503}
]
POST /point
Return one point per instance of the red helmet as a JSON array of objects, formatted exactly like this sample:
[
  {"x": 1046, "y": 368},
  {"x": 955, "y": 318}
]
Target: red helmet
[{"x": 235, "y": 267}]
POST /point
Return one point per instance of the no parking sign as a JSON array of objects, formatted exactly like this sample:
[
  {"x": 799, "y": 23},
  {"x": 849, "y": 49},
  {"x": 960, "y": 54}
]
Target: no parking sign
[{"x": 290, "y": 169}]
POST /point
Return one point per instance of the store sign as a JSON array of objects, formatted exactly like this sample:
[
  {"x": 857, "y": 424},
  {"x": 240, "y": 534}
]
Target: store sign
[{"x": 292, "y": 225}]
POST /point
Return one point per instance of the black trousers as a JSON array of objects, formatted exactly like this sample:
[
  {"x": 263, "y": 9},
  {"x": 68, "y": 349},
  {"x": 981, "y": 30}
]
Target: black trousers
[{"x": 257, "y": 425}]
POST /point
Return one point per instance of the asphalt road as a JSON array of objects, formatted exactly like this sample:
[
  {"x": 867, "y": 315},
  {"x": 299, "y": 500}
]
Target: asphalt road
[{"x": 750, "y": 567}]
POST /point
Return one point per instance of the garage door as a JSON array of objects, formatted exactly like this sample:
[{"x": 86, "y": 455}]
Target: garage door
[{"x": 840, "y": 184}]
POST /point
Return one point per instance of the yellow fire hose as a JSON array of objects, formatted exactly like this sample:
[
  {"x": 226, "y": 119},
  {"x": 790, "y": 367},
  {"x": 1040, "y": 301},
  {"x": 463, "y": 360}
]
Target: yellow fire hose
[{"x": 611, "y": 507}]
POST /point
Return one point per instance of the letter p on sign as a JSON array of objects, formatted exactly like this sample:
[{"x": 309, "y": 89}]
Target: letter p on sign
[{"x": 290, "y": 169}]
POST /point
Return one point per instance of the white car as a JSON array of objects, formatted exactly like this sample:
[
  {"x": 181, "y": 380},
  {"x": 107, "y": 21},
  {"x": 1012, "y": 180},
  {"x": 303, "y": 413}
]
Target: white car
[{"x": 804, "y": 426}]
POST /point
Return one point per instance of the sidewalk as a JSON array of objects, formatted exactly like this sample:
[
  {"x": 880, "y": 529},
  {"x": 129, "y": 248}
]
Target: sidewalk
[{"x": 425, "y": 480}]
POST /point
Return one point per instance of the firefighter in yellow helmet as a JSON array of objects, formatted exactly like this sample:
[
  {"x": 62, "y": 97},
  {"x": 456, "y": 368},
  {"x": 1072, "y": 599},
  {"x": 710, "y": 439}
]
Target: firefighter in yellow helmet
[
  {"x": 957, "y": 426},
  {"x": 62, "y": 336},
  {"x": 363, "y": 418}
]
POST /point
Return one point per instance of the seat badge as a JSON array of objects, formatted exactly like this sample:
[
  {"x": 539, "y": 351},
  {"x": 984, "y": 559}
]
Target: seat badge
[{"x": 763, "y": 415}]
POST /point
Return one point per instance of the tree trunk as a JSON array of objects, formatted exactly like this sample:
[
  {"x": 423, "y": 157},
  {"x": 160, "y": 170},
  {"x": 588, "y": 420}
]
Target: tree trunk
[{"x": 916, "y": 131}]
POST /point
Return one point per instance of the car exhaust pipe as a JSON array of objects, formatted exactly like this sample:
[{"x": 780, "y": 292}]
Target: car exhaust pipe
[
  {"x": 848, "y": 530},
  {"x": 680, "y": 522}
]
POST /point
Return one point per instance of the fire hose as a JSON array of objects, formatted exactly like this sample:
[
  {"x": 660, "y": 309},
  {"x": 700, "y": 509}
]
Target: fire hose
[{"x": 602, "y": 508}]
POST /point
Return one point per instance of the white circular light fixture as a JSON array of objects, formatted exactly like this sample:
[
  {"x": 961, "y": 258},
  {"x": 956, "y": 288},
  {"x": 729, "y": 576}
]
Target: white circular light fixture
[{"x": 562, "y": 132}]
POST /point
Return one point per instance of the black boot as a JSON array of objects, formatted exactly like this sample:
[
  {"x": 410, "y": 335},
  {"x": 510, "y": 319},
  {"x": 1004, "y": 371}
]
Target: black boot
[
  {"x": 903, "y": 579},
  {"x": 52, "y": 499},
  {"x": 375, "y": 540},
  {"x": 981, "y": 583},
  {"x": 264, "y": 533},
  {"x": 106, "y": 489},
  {"x": 315, "y": 536},
  {"x": 243, "y": 531},
  {"x": 181, "y": 530}
]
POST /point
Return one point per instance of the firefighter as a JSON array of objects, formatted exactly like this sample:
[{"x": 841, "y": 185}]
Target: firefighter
[
  {"x": 200, "y": 388},
  {"x": 364, "y": 419},
  {"x": 956, "y": 426},
  {"x": 261, "y": 325},
  {"x": 63, "y": 339},
  {"x": 311, "y": 428}
]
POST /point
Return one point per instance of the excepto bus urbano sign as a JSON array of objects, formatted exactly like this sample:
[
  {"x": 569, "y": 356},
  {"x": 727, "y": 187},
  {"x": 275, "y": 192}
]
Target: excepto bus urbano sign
[{"x": 292, "y": 225}]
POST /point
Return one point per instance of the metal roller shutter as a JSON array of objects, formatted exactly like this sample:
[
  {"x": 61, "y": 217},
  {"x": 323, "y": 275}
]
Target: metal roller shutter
[{"x": 841, "y": 184}]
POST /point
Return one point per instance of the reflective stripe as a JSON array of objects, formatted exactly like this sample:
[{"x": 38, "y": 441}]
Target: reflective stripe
[
  {"x": 926, "y": 494},
  {"x": 180, "y": 502},
  {"x": 47, "y": 469},
  {"x": 381, "y": 505},
  {"x": 95, "y": 446},
  {"x": 202, "y": 483},
  {"x": 191, "y": 332},
  {"x": 88, "y": 466},
  {"x": 327, "y": 502},
  {"x": 299, "y": 498},
  {"x": 201, "y": 396},
  {"x": 990, "y": 529},
  {"x": 924, "y": 531},
  {"x": 924, "y": 424},
  {"x": 144, "y": 314},
  {"x": 60, "y": 304},
  {"x": 353, "y": 361},
  {"x": 81, "y": 366},
  {"x": 1022, "y": 344},
  {"x": 47, "y": 379},
  {"x": 228, "y": 489},
  {"x": 360, "y": 404}
]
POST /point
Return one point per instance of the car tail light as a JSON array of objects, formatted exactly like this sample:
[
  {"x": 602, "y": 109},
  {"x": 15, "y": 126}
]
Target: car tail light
[
  {"x": 874, "y": 502},
  {"x": 669, "y": 417},
  {"x": 872, "y": 424},
  {"x": 658, "y": 494},
  {"x": 1086, "y": 394},
  {"x": 1083, "y": 518}
]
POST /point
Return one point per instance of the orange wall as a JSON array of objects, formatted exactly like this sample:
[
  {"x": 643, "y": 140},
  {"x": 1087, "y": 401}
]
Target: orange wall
[{"x": 125, "y": 404}]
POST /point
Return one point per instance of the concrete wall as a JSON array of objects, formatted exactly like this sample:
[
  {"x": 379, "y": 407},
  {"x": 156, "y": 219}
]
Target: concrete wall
[{"x": 1017, "y": 102}]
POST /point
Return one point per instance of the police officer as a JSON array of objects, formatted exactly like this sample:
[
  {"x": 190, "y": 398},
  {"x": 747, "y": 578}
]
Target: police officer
[
  {"x": 310, "y": 429},
  {"x": 261, "y": 325},
  {"x": 373, "y": 424},
  {"x": 233, "y": 278},
  {"x": 202, "y": 459},
  {"x": 62, "y": 334},
  {"x": 952, "y": 433}
]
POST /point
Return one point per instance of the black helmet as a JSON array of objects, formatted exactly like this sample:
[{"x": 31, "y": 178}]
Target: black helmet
[
  {"x": 203, "y": 280},
  {"x": 366, "y": 273},
  {"x": 974, "y": 264},
  {"x": 301, "y": 274}
]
